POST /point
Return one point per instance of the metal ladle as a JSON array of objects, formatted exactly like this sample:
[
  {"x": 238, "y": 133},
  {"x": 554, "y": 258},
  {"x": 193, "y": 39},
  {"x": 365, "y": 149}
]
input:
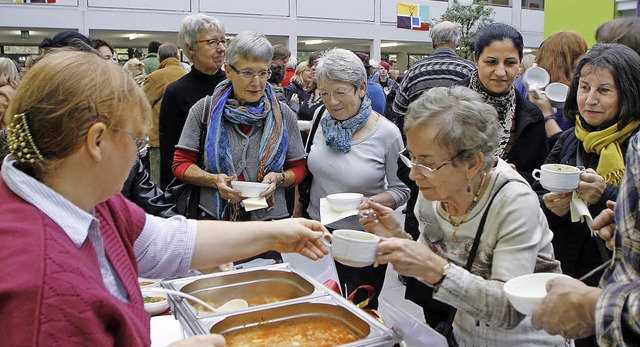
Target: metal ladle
[{"x": 231, "y": 305}]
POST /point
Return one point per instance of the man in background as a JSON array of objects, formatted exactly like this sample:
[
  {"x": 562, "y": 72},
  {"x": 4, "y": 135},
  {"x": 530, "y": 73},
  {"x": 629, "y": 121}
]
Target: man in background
[{"x": 151, "y": 61}]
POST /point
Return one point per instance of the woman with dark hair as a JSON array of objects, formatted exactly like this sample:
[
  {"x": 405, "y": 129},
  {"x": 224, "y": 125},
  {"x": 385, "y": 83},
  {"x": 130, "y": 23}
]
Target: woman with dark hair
[
  {"x": 522, "y": 139},
  {"x": 603, "y": 103}
]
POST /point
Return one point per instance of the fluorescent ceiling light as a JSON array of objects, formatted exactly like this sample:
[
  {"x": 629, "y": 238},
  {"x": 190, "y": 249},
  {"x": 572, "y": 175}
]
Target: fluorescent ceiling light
[
  {"x": 134, "y": 36},
  {"x": 313, "y": 42},
  {"x": 389, "y": 44}
]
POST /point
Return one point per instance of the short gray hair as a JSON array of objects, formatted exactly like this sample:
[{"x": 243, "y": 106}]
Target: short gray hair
[
  {"x": 167, "y": 50},
  {"x": 251, "y": 46},
  {"x": 340, "y": 65},
  {"x": 466, "y": 124},
  {"x": 445, "y": 32},
  {"x": 191, "y": 27},
  {"x": 9, "y": 73}
]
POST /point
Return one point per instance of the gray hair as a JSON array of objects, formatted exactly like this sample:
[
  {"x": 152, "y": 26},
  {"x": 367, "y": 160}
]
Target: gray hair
[
  {"x": 445, "y": 32},
  {"x": 465, "y": 123},
  {"x": 340, "y": 65},
  {"x": 251, "y": 46},
  {"x": 9, "y": 73},
  {"x": 167, "y": 50},
  {"x": 191, "y": 27},
  {"x": 292, "y": 63}
]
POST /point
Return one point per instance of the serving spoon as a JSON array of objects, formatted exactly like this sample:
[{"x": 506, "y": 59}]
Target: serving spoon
[{"x": 231, "y": 305}]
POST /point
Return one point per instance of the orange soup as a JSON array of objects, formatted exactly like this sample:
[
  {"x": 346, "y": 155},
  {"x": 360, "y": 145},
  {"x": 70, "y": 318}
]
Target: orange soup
[{"x": 310, "y": 332}]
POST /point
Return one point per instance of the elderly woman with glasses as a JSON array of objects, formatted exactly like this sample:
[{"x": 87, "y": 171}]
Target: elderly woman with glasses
[
  {"x": 467, "y": 193},
  {"x": 250, "y": 137},
  {"x": 354, "y": 150},
  {"x": 202, "y": 40}
]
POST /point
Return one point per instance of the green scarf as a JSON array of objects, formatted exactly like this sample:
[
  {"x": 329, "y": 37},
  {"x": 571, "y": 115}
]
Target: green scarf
[{"x": 606, "y": 143}]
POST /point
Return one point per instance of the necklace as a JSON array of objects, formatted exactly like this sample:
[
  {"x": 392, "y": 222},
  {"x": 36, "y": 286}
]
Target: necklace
[{"x": 455, "y": 223}]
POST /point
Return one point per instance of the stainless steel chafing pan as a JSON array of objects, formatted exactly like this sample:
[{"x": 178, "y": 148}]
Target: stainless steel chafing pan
[
  {"x": 266, "y": 319},
  {"x": 257, "y": 287}
]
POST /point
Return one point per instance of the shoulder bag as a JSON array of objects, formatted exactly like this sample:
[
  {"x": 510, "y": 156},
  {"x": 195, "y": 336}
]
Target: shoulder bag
[
  {"x": 304, "y": 188},
  {"x": 445, "y": 328}
]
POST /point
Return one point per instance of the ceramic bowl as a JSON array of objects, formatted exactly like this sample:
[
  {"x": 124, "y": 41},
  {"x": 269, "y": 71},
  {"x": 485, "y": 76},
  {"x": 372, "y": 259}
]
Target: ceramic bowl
[
  {"x": 525, "y": 292},
  {"x": 249, "y": 189},
  {"x": 148, "y": 282},
  {"x": 155, "y": 303},
  {"x": 344, "y": 201}
]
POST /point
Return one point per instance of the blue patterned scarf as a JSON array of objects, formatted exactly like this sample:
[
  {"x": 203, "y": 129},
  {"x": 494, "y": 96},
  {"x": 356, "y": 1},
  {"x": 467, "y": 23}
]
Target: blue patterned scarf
[
  {"x": 338, "y": 133},
  {"x": 273, "y": 144}
]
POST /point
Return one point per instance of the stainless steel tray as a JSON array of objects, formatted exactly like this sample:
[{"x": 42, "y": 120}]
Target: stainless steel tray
[
  {"x": 368, "y": 330},
  {"x": 281, "y": 279}
]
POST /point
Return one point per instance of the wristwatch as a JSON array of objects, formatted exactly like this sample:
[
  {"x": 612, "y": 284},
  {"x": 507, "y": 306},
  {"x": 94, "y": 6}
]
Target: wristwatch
[{"x": 444, "y": 274}]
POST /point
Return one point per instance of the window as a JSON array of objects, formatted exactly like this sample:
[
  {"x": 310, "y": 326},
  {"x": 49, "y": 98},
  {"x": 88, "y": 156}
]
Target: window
[
  {"x": 500, "y": 3},
  {"x": 533, "y": 4}
]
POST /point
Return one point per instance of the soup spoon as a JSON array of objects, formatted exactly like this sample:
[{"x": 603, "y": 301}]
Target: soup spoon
[{"x": 231, "y": 305}]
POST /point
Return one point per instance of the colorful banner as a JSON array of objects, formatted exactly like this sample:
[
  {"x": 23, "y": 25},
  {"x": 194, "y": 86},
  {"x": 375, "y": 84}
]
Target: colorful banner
[{"x": 413, "y": 16}]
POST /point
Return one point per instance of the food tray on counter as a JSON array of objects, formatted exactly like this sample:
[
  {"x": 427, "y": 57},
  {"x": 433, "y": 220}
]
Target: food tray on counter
[{"x": 278, "y": 295}]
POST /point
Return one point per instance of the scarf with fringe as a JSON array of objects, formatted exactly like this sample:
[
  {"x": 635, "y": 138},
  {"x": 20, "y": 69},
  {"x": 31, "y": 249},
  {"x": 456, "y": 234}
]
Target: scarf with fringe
[
  {"x": 273, "y": 144},
  {"x": 606, "y": 143}
]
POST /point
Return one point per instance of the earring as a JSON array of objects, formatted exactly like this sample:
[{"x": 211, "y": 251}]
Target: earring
[{"x": 469, "y": 187}]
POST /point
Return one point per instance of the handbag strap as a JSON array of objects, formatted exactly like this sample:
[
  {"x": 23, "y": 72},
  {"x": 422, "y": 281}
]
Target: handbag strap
[
  {"x": 315, "y": 122},
  {"x": 204, "y": 124},
  {"x": 476, "y": 241}
]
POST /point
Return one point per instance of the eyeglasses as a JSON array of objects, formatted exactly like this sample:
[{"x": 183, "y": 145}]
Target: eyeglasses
[
  {"x": 248, "y": 74},
  {"x": 215, "y": 42},
  {"x": 142, "y": 142},
  {"x": 338, "y": 94},
  {"x": 425, "y": 170}
]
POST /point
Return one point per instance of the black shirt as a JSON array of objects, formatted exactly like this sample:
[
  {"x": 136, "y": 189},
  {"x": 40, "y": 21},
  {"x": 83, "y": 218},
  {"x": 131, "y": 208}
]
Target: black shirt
[{"x": 178, "y": 98}]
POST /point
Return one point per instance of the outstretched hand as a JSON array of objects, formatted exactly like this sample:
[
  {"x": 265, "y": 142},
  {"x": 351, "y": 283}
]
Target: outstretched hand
[{"x": 299, "y": 235}]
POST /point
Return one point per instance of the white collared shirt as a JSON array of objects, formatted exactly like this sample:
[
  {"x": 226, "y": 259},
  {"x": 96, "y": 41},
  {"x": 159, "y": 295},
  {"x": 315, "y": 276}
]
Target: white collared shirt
[{"x": 163, "y": 249}]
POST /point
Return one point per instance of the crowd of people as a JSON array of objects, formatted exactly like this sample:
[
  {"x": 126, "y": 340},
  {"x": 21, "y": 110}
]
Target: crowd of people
[{"x": 100, "y": 201}]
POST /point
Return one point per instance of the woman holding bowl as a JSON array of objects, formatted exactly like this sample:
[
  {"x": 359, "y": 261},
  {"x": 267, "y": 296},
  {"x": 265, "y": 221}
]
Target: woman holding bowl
[
  {"x": 603, "y": 103},
  {"x": 70, "y": 276},
  {"x": 250, "y": 137},
  {"x": 354, "y": 150},
  {"x": 498, "y": 49},
  {"x": 451, "y": 139}
]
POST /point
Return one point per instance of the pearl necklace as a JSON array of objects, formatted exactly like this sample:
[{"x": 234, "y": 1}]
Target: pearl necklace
[{"x": 457, "y": 223}]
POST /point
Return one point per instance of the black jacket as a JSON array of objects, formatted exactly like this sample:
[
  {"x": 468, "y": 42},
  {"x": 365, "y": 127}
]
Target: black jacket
[
  {"x": 572, "y": 242},
  {"x": 139, "y": 189}
]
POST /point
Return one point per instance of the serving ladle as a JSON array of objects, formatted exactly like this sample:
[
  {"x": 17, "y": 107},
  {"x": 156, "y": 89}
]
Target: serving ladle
[{"x": 231, "y": 305}]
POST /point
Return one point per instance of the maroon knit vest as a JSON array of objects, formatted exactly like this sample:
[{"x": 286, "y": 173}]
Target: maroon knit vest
[{"x": 52, "y": 292}]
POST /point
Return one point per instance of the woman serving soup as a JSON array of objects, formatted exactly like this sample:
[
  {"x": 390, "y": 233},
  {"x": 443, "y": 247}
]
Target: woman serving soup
[
  {"x": 70, "y": 276},
  {"x": 451, "y": 139}
]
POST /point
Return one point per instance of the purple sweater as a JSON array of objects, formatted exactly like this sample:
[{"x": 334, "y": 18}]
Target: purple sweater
[{"x": 52, "y": 292}]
